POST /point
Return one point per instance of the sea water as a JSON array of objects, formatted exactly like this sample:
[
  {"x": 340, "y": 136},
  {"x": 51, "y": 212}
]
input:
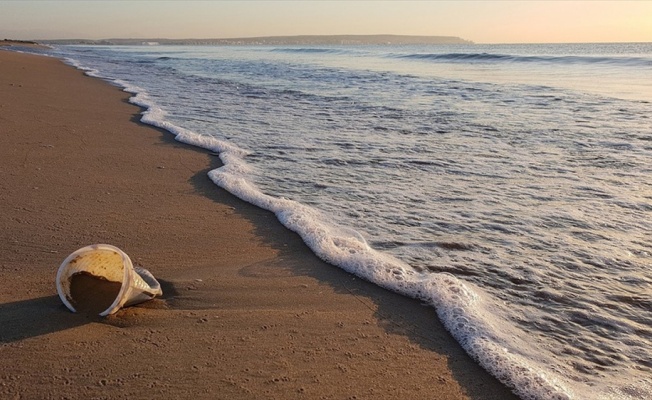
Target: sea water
[{"x": 506, "y": 186}]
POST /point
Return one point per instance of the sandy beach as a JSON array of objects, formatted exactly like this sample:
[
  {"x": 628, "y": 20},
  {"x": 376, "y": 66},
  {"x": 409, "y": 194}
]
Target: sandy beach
[{"x": 248, "y": 311}]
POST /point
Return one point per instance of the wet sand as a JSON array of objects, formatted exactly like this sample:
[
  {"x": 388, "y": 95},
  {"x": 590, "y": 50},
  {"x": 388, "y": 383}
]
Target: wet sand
[
  {"x": 91, "y": 294},
  {"x": 248, "y": 311}
]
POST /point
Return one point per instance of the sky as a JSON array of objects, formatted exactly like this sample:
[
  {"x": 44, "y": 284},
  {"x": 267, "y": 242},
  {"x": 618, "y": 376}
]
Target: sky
[{"x": 479, "y": 21}]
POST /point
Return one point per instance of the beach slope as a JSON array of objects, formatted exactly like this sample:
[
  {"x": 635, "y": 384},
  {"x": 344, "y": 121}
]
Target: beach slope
[{"x": 248, "y": 311}]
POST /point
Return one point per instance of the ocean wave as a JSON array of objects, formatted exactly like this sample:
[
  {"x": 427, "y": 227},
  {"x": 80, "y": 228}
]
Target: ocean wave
[
  {"x": 506, "y": 58},
  {"x": 309, "y": 50}
]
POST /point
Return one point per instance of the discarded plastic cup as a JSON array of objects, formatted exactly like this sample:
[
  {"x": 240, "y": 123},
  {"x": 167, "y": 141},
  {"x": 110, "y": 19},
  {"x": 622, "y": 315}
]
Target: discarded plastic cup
[{"x": 110, "y": 266}]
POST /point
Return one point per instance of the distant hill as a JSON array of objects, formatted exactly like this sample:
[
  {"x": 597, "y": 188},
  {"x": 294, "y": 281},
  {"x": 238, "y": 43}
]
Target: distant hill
[
  {"x": 279, "y": 40},
  {"x": 20, "y": 43}
]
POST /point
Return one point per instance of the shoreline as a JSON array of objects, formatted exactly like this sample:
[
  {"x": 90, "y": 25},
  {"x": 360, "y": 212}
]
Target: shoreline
[{"x": 248, "y": 311}]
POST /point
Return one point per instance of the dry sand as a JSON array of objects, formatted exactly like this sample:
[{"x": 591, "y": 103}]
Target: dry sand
[{"x": 248, "y": 311}]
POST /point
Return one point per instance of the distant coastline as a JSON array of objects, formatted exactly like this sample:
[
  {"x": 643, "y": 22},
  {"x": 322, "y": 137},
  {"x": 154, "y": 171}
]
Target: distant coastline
[
  {"x": 277, "y": 40},
  {"x": 20, "y": 43}
]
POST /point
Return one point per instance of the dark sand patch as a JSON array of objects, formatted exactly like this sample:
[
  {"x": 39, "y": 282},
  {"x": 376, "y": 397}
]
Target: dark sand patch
[{"x": 91, "y": 294}]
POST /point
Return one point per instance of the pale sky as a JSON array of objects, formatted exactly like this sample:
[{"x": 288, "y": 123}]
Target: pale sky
[{"x": 479, "y": 21}]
